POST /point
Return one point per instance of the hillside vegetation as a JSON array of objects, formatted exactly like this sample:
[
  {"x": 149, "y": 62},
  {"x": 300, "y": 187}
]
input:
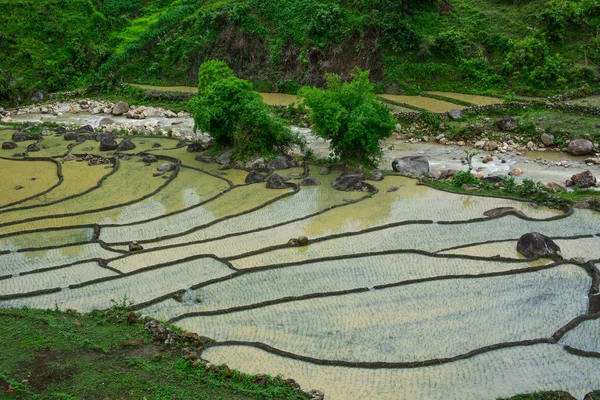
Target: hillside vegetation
[{"x": 484, "y": 46}]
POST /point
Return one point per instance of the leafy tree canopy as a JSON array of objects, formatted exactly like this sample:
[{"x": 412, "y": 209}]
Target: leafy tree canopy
[{"x": 350, "y": 115}]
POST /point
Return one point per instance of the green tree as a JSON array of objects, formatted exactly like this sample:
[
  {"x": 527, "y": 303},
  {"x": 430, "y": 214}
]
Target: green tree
[
  {"x": 234, "y": 114},
  {"x": 350, "y": 115}
]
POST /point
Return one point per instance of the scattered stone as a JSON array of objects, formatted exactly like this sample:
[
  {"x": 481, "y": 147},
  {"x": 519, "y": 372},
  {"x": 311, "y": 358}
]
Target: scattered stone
[
  {"x": 120, "y": 108},
  {"x": 126, "y": 145},
  {"x": 256, "y": 164},
  {"x": 255, "y": 177},
  {"x": 412, "y": 165},
  {"x": 516, "y": 172},
  {"x": 507, "y": 124},
  {"x": 580, "y": 147},
  {"x": 309, "y": 181},
  {"x": 547, "y": 139},
  {"x": 205, "y": 159},
  {"x": 150, "y": 158},
  {"x": 490, "y": 145},
  {"x": 583, "y": 180},
  {"x": 46, "y": 133},
  {"x": 534, "y": 245},
  {"x": 191, "y": 356},
  {"x": 9, "y": 146},
  {"x": 594, "y": 161},
  {"x": 487, "y": 159},
  {"x": 455, "y": 114},
  {"x": 132, "y": 318},
  {"x": 135, "y": 246},
  {"x": 376, "y": 175},
  {"x": 166, "y": 167},
  {"x": 160, "y": 333},
  {"x": 89, "y": 148},
  {"x": 447, "y": 173},
  {"x": 502, "y": 211},
  {"x": 178, "y": 297},
  {"x": 156, "y": 145},
  {"x": 85, "y": 129},
  {"x": 283, "y": 162},
  {"x": 108, "y": 144},
  {"x": 33, "y": 147},
  {"x": 555, "y": 186},
  {"x": 316, "y": 395},
  {"x": 324, "y": 171},
  {"x": 195, "y": 147},
  {"x": 277, "y": 181},
  {"x": 106, "y": 121},
  {"x": 18, "y": 187},
  {"x": 102, "y": 136},
  {"x": 69, "y": 157},
  {"x": 393, "y": 189},
  {"x": 302, "y": 241},
  {"x": 225, "y": 158},
  {"x": 351, "y": 180}
]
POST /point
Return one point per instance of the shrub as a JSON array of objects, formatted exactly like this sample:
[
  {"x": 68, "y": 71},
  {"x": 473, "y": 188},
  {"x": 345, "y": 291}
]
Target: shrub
[
  {"x": 234, "y": 114},
  {"x": 350, "y": 115}
]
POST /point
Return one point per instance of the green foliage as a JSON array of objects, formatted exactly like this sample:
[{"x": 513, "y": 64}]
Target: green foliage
[
  {"x": 349, "y": 115},
  {"x": 235, "y": 115}
]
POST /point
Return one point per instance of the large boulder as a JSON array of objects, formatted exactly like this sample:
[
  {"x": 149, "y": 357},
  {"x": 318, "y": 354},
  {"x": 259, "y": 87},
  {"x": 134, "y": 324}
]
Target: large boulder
[
  {"x": 309, "y": 181},
  {"x": 166, "y": 167},
  {"x": 412, "y": 165},
  {"x": 108, "y": 144},
  {"x": 225, "y": 158},
  {"x": 583, "y": 180},
  {"x": 455, "y": 114},
  {"x": 71, "y": 136},
  {"x": 85, "y": 129},
  {"x": 9, "y": 146},
  {"x": 256, "y": 164},
  {"x": 126, "y": 145},
  {"x": 150, "y": 158},
  {"x": 195, "y": 147},
  {"x": 348, "y": 181},
  {"x": 18, "y": 137},
  {"x": 255, "y": 177},
  {"x": 534, "y": 244},
  {"x": 104, "y": 136},
  {"x": 547, "y": 139},
  {"x": 580, "y": 147},
  {"x": 283, "y": 162},
  {"x": 33, "y": 147},
  {"x": 507, "y": 124},
  {"x": 276, "y": 181},
  {"x": 120, "y": 108},
  {"x": 490, "y": 145}
]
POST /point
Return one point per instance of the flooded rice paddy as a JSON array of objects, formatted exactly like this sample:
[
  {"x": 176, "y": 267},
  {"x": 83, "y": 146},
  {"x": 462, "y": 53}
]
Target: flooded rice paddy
[{"x": 405, "y": 294}]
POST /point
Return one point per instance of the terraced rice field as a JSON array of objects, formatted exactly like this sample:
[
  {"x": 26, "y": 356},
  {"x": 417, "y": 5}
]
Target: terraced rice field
[
  {"x": 469, "y": 98},
  {"x": 407, "y": 294},
  {"x": 423, "y": 103}
]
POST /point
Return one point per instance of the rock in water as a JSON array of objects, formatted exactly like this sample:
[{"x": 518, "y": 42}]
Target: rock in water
[
  {"x": 507, "y": 124},
  {"x": 126, "y": 145},
  {"x": 310, "y": 181},
  {"x": 283, "y": 162},
  {"x": 584, "y": 180},
  {"x": 255, "y": 177},
  {"x": 534, "y": 244},
  {"x": 490, "y": 145},
  {"x": 120, "y": 108},
  {"x": 276, "y": 181},
  {"x": 106, "y": 121},
  {"x": 348, "y": 181},
  {"x": 108, "y": 144},
  {"x": 413, "y": 165},
  {"x": 376, "y": 175},
  {"x": 580, "y": 147},
  {"x": 9, "y": 146}
]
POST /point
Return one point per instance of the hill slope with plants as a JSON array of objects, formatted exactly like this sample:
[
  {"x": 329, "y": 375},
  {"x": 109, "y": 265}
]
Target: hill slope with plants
[{"x": 484, "y": 46}]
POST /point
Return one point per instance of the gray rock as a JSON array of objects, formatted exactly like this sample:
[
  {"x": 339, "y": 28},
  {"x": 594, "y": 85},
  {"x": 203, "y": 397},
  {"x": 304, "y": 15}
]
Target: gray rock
[
  {"x": 195, "y": 147},
  {"x": 547, "y": 139},
  {"x": 256, "y": 164},
  {"x": 135, "y": 246},
  {"x": 33, "y": 147},
  {"x": 126, "y": 145},
  {"x": 507, "y": 124},
  {"x": 9, "y": 145},
  {"x": 348, "y": 181},
  {"x": 580, "y": 147},
  {"x": 455, "y": 114},
  {"x": 376, "y": 175},
  {"x": 310, "y": 181},
  {"x": 156, "y": 145},
  {"x": 150, "y": 158},
  {"x": 534, "y": 244},
  {"x": 502, "y": 211},
  {"x": 276, "y": 181},
  {"x": 85, "y": 129},
  {"x": 106, "y": 121},
  {"x": 490, "y": 145},
  {"x": 46, "y": 133},
  {"x": 413, "y": 165},
  {"x": 205, "y": 159},
  {"x": 447, "y": 173},
  {"x": 324, "y": 171},
  {"x": 255, "y": 177},
  {"x": 120, "y": 108},
  {"x": 225, "y": 158},
  {"x": 105, "y": 136},
  {"x": 283, "y": 162},
  {"x": 69, "y": 157},
  {"x": 18, "y": 137},
  {"x": 108, "y": 145},
  {"x": 165, "y": 167},
  {"x": 584, "y": 180}
]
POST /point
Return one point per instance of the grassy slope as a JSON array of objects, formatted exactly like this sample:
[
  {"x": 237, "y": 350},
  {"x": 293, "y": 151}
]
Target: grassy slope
[
  {"x": 283, "y": 44},
  {"x": 56, "y": 355}
]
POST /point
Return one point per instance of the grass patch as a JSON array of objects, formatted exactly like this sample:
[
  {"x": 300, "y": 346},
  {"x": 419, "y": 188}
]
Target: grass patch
[{"x": 65, "y": 355}]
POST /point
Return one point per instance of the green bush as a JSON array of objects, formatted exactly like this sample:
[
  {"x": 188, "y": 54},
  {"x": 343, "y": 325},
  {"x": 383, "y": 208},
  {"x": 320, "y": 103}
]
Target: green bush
[
  {"x": 350, "y": 115},
  {"x": 234, "y": 114}
]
